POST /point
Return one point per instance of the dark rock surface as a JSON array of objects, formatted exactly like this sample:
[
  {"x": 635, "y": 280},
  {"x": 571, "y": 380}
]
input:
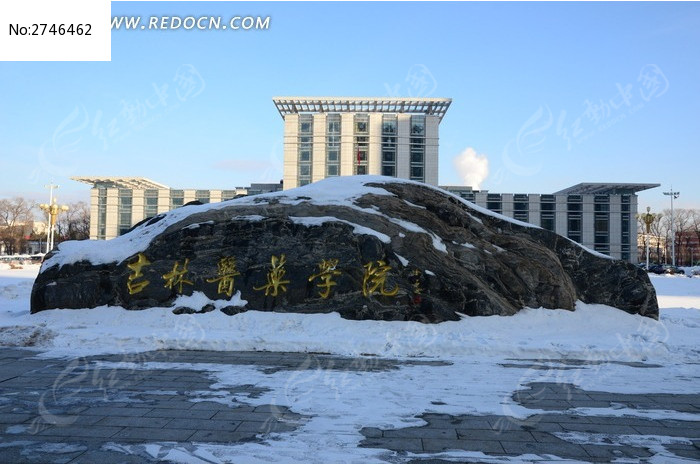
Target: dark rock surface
[{"x": 417, "y": 252}]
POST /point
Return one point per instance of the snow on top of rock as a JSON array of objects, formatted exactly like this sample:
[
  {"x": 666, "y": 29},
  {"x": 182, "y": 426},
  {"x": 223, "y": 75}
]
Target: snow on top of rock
[
  {"x": 357, "y": 228},
  {"x": 333, "y": 191},
  {"x": 342, "y": 191}
]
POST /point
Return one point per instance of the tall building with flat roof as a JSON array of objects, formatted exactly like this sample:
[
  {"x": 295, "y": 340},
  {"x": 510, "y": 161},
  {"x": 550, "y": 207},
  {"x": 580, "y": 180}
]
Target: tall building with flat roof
[
  {"x": 344, "y": 136},
  {"x": 600, "y": 216},
  {"x": 117, "y": 203}
]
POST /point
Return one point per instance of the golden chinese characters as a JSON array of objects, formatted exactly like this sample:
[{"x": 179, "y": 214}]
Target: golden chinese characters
[
  {"x": 326, "y": 272},
  {"x": 275, "y": 276},
  {"x": 176, "y": 277},
  {"x": 136, "y": 267},
  {"x": 226, "y": 275},
  {"x": 374, "y": 279}
]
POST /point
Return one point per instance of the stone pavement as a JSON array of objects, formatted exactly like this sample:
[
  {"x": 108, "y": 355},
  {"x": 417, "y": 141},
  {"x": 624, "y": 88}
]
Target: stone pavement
[{"x": 67, "y": 410}]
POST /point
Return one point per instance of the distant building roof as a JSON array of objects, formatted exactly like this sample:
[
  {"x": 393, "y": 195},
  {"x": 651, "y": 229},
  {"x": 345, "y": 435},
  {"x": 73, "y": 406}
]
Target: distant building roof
[
  {"x": 430, "y": 106},
  {"x": 603, "y": 188},
  {"x": 140, "y": 183}
]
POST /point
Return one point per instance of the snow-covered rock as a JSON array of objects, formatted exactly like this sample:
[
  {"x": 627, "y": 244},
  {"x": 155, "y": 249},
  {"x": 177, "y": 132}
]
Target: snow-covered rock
[{"x": 366, "y": 247}]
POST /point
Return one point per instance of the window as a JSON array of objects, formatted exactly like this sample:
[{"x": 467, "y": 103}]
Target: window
[
  {"x": 177, "y": 198},
  {"x": 574, "y": 207},
  {"x": 361, "y": 147},
  {"x": 418, "y": 125},
  {"x": 150, "y": 203},
  {"x": 469, "y": 196},
  {"x": 361, "y": 123},
  {"x": 625, "y": 200},
  {"x": 601, "y": 225},
  {"x": 333, "y": 145},
  {"x": 601, "y": 203},
  {"x": 417, "y": 148},
  {"x": 101, "y": 213},
  {"x": 389, "y": 125},
  {"x": 202, "y": 196},
  {"x": 305, "y": 147},
  {"x": 493, "y": 202},
  {"x": 306, "y": 124},
  {"x": 547, "y": 209},
  {"x": 124, "y": 204},
  {"x": 625, "y": 228},
  {"x": 521, "y": 205},
  {"x": 228, "y": 195},
  {"x": 333, "y": 123}
]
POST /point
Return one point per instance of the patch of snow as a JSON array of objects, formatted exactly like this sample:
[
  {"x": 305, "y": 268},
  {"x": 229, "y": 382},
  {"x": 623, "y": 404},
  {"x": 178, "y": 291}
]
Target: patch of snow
[
  {"x": 652, "y": 414},
  {"x": 198, "y": 300},
  {"x": 641, "y": 441},
  {"x": 403, "y": 260},
  {"x": 438, "y": 244},
  {"x": 356, "y": 228},
  {"x": 414, "y": 206},
  {"x": 196, "y": 225},
  {"x": 249, "y": 217}
]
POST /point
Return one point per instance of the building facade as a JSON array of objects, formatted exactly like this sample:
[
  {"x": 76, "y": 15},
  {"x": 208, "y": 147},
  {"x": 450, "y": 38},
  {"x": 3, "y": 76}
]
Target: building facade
[
  {"x": 328, "y": 136},
  {"x": 117, "y": 203},
  {"x": 600, "y": 216}
]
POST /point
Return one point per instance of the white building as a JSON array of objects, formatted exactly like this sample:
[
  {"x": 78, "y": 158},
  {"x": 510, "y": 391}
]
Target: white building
[
  {"x": 342, "y": 136},
  {"x": 117, "y": 203},
  {"x": 600, "y": 216}
]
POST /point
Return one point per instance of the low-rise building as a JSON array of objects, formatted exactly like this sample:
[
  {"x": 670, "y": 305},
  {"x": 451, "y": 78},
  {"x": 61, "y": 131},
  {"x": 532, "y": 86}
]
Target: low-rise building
[
  {"x": 600, "y": 216},
  {"x": 117, "y": 203}
]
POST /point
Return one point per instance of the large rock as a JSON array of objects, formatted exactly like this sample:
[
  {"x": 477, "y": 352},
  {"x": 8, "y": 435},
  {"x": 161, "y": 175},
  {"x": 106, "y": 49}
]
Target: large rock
[{"x": 366, "y": 247}]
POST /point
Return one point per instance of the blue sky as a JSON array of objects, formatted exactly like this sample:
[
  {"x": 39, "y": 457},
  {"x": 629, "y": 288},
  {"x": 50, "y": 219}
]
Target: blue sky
[{"x": 552, "y": 94}]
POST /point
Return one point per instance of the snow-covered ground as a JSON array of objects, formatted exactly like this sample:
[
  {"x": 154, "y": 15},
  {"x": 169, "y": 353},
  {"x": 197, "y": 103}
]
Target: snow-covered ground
[
  {"x": 590, "y": 331},
  {"x": 341, "y": 402}
]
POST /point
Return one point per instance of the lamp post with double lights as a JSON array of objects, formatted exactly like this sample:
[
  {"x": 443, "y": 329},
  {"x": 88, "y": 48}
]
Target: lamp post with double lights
[
  {"x": 673, "y": 196},
  {"x": 52, "y": 209},
  {"x": 648, "y": 220}
]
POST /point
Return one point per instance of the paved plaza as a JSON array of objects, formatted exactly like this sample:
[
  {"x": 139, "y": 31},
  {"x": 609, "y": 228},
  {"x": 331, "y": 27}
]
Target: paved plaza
[{"x": 86, "y": 410}]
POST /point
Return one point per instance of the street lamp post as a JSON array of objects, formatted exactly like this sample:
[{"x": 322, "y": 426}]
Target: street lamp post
[
  {"x": 673, "y": 196},
  {"x": 648, "y": 219},
  {"x": 45, "y": 207},
  {"x": 53, "y": 209}
]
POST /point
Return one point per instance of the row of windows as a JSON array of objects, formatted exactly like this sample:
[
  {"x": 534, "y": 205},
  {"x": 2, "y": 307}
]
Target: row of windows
[
  {"x": 306, "y": 126},
  {"x": 361, "y": 145},
  {"x": 389, "y": 130},
  {"x": 417, "y": 148},
  {"x": 150, "y": 206},
  {"x": 333, "y": 145},
  {"x": 124, "y": 203}
]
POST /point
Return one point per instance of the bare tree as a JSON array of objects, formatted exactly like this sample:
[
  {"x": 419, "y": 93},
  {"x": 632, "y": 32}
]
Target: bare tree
[
  {"x": 686, "y": 223},
  {"x": 681, "y": 219},
  {"x": 74, "y": 224},
  {"x": 16, "y": 223}
]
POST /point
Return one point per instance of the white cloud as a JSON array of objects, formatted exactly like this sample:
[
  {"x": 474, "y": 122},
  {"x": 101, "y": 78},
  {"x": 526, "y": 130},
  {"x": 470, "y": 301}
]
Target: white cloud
[{"x": 472, "y": 167}]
